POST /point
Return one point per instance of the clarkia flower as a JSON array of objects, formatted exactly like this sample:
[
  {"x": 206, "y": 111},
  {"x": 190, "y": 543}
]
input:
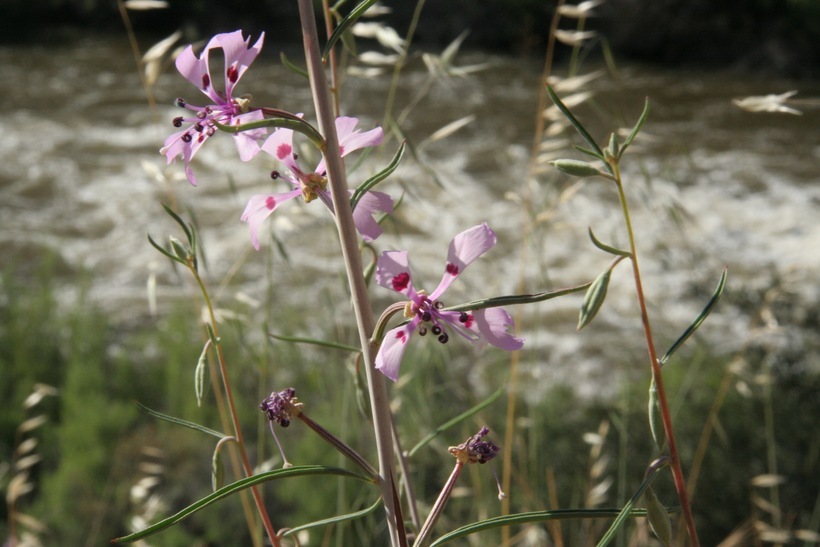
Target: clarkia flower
[
  {"x": 425, "y": 311},
  {"x": 314, "y": 184},
  {"x": 225, "y": 108}
]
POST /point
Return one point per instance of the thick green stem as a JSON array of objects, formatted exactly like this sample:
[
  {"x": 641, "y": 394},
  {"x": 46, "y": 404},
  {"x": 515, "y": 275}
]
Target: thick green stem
[
  {"x": 365, "y": 320},
  {"x": 677, "y": 471}
]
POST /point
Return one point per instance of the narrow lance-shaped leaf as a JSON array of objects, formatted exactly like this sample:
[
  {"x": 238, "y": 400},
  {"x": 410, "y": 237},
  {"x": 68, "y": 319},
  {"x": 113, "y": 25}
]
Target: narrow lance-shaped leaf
[
  {"x": 334, "y": 520},
  {"x": 575, "y": 123},
  {"x": 461, "y": 417},
  {"x": 626, "y": 512},
  {"x": 378, "y": 177},
  {"x": 532, "y": 517},
  {"x": 635, "y": 129},
  {"x": 180, "y": 421},
  {"x": 594, "y": 297},
  {"x": 344, "y": 25},
  {"x": 292, "y": 67},
  {"x": 656, "y": 417},
  {"x": 699, "y": 319},
  {"x": 658, "y": 517},
  {"x": 199, "y": 374},
  {"x": 607, "y": 248},
  {"x": 315, "y": 342},
  {"x": 225, "y": 491}
]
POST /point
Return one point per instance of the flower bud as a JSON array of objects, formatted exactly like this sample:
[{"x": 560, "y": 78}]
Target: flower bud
[{"x": 576, "y": 168}]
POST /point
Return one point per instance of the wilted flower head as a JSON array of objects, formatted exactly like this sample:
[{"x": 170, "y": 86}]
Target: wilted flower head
[
  {"x": 768, "y": 103},
  {"x": 280, "y": 407},
  {"x": 313, "y": 184},
  {"x": 426, "y": 312},
  {"x": 225, "y": 108},
  {"x": 474, "y": 450}
]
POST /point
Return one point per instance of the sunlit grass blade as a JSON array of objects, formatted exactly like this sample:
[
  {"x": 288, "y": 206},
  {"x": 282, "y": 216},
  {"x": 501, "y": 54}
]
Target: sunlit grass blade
[
  {"x": 315, "y": 342},
  {"x": 635, "y": 129},
  {"x": 378, "y": 177},
  {"x": 461, "y": 417},
  {"x": 575, "y": 123},
  {"x": 180, "y": 421},
  {"x": 344, "y": 25},
  {"x": 607, "y": 248},
  {"x": 533, "y": 516},
  {"x": 699, "y": 319},
  {"x": 225, "y": 491},
  {"x": 334, "y": 520},
  {"x": 627, "y": 510}
]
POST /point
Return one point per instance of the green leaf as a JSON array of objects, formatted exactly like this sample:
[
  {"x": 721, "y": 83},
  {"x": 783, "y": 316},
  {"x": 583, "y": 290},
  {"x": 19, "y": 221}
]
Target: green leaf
[
  {"x": 627, "y": 510},
  {"x": 279, "y": 119},
  {"x": 292, "y": 66},
  {"x": 180, "y": 421},
  {"x": 658, "y": 517},
  {"x": 199, "y": 374},
  {"x": 315, "y": 342},
  {"x": 607, "y": 248},
  {"x": 345, "y": 24},
  {"x": 378, "y": 177},
  {"x": 576, "y": 168},
  {"x": 594, "y": 298},
  {"x": 699, "y": 319},
  {"x": 461, "y": 417},
  {"x": 655, "y": 416},
  {"x": 164, "y": 251},
  {"x": 334, "y": 520},
  {"x": 635, "y": 129},
  {"x": 575, "y": 123},
  {"x": 512, "y": 300},
  {"x": 225, "y": 491},
  {"x": 533, "y": 516}
]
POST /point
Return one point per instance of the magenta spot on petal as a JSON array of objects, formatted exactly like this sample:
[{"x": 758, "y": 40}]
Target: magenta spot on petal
[
  {"x": 206, "y": 80},
  {"x": 401, "y": 281},
  {"x": 401, "y": 335},
  {"x": 283, "y": 151},
  {"x": 270, "y": 203},
  {"x": 452, "y": 269},
  {"x": 233, "y": 74},
  {"x": 341, "y": 150}
]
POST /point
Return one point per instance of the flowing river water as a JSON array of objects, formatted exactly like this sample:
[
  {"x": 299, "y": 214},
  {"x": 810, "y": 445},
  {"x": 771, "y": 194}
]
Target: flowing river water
[{"x": 710, "y": 186}]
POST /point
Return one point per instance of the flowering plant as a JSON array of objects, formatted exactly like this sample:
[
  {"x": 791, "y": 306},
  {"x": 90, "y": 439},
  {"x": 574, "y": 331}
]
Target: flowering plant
[{"x": 358, "y": 214}]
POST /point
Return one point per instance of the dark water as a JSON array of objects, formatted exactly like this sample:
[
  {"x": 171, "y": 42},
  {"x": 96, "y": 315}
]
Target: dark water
[{"x": 710, "y": 186}]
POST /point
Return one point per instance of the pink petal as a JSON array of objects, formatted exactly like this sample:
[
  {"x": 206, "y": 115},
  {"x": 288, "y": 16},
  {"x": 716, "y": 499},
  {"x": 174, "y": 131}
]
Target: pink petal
[
  {"x": 280, "y": 146},
  {"x": 369, "y": 204},
  {"x": 246, "y": 141},
  {"x": 351, "y": 140},
  {"x": 393, "y": 272},
  {"x": 388, "y": 360},
  {"x": 238, "y": 55},
  {"x": 494, "y": 325},
  {"x": 464, "y": 249},
  {"x": 192, "y": 67},
  {"x": 175, "y": 147},
  {"x": 260, "y": 207}
]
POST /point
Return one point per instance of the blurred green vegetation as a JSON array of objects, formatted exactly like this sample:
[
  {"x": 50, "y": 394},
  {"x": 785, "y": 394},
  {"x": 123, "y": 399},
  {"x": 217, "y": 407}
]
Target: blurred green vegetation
[{"x": 94, "y": 443}]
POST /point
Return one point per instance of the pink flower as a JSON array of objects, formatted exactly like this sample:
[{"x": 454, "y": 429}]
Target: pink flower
[
  {"x": 313, "y": 184},
  {"x": 225, "y": 108},
  {"x": 426, "y": 312}
]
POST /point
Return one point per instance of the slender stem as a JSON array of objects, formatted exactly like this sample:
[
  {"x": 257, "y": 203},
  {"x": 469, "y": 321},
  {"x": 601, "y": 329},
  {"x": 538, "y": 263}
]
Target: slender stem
[
  {"x": 365, "y": 320},
  {"x": 334, "y": 68},
  {"x": 423, "y": 538},
  {"x": 677, "y": 472},
  {"x": 223, "y": 369}
]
